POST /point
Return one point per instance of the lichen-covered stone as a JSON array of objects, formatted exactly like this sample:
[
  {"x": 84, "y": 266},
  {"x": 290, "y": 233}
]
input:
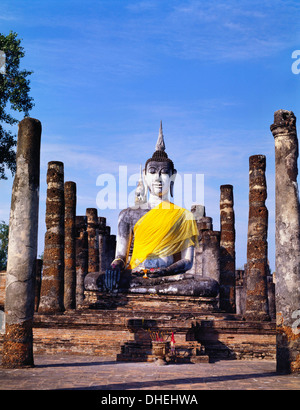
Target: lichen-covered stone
[
  {"x": 70, "y": 246},
  {"x": 52, "y": 288},
  {"x": 257, "y": 307},
  {"x": 22, "y": 247},
  {"x": 287, "y": 236},
  {"x": 227, "y": 250}
]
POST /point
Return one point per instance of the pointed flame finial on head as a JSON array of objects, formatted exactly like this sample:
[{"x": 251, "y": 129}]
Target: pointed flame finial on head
[{"x": 160, "y": 145}]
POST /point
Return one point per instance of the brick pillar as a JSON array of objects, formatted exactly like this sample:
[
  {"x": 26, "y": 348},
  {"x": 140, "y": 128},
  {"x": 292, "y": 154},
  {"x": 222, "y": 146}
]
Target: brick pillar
[
  {"x": 227, "y": 250},
  {"x": 52, "y": 289},
  {"x": 22, "y": 248},
  {"x": 81, "y": 257},
  {"x": 287, "y": 237},
  {"x": 102, "y": 243},
  {"x": 93, "y": 240},
  {"x": 70, "y": 246},
  {"x": 257, "y": 307}
]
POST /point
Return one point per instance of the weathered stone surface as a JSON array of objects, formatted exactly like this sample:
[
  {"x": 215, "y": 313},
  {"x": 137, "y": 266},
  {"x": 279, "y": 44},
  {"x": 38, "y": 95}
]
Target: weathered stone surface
[
  {"x": 287, "y": 241},
  {"x": 107, "y": 245},
  {"x": 227, "y": 249},
  {"x": 93, "y": 240},
  {"x": 257, "y": 306},
  {"x": 52, "y": 289},
  {"x": 182, "y": 284},
  {"x": 70, "y": 246},
  {"x": 240, "y": 291},
  {"x": 22, "y": 247},
  {"x": 198, "y": 211},
  {"x": 81, "y": 257},
  {"x": 108, "y": 332},
  {"x": 271, "y": 297},
  {"x": 102, "y": 244},
  {"x": 210, "y": 254},
  {"x": 38, "y": 282},
  {"x": 204, "y": 223}
]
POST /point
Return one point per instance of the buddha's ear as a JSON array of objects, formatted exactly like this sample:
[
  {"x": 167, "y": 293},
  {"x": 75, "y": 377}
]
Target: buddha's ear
[
  {"x": 172, "y": 189},
  {"x": 172, "y": 183}
]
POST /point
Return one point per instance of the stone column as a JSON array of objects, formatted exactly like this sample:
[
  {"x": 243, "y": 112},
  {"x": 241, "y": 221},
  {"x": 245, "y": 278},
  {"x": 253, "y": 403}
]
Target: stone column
[
  {"x": 257, "y": 306},
  {"x": 240, "y": 292},
  {"x": 93, "y": 241},
  {"x": 70, "y": 246},
  {"x": 271, "y": 297},
  {"x": 22, "y": 248},
  {"x": 38, "y": 281},
  {"x": 211, "y": 254},
  {"x": 227, "y": 250},
  {"x": 81, "y": 258},
  {"x": 287, "y": 237},
  {"x": 52, "y": 289},
  {"x": 102, "y": 243},
  {"x": 107, "y": 260}
]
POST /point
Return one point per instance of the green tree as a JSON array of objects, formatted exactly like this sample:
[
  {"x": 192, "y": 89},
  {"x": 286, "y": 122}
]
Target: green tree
[
  {"x": 3, "y": 245},
  {"x": 14, "y": 96}
]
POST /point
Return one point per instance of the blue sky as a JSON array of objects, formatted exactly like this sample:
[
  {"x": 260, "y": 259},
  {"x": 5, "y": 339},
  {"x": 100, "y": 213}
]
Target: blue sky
[{"x": 106, "y": 72}]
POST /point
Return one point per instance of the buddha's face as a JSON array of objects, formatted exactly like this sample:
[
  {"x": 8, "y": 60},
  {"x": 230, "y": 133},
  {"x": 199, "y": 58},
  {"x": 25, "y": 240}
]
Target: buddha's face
[{"x": 158, "y": 177}]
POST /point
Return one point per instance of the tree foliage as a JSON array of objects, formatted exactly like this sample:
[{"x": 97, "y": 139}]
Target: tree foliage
[
  {"x": 3, "y": 245},
  {"x": 14, "y": 96}
]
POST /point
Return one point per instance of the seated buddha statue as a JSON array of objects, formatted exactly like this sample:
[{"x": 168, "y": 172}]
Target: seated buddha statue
[{"x": 163, "y": 236}]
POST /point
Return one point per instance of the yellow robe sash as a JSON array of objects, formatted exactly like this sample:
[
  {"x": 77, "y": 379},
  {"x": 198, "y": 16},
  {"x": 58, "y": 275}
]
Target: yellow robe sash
[{"x": 163, "y": 231}]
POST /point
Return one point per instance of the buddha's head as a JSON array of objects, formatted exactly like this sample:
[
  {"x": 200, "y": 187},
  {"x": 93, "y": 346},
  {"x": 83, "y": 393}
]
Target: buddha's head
[{"x": 159, "y": 172}]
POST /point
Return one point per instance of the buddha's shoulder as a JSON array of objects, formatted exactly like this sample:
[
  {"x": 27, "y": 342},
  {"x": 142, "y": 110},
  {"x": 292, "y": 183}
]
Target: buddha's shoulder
[{"x": 132, "y": 214}]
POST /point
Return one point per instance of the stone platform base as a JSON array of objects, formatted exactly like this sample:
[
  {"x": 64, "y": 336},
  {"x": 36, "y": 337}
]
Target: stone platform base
[
  {"x": 152, "y": 302},
  {"x": 126, "y": 330}
]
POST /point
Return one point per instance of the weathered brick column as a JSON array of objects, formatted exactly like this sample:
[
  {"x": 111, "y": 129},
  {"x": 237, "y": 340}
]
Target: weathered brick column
[
  {"x": 227, "y": 250},
  {"x": 257, "y": 307},
  {"x": 102, "y": 244},
  {"x": 93, "y": 240},
  {"x": 70, "y": 246},
  {"x": 287, "y": 237},
  {"x": 81, "y": 257},
  {"x": 52, "y": 289},
  {"x": 22, "y": 248}
]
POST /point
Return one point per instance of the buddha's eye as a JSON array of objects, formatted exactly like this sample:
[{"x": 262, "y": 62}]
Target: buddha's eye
[
  {"x": 152, "y": 170},
  {"x": 165, "y": 171}
]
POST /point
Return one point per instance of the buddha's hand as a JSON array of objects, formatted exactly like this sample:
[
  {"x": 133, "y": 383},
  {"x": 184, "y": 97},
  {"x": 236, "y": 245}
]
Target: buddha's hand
[
  {"x": 112, "y": 279},
  {"x": 112, "y": 275},
  {"x": 158, "y": 272}
]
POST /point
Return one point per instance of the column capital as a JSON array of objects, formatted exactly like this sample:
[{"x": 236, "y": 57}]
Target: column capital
[{"x": 284, "y": 122}]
